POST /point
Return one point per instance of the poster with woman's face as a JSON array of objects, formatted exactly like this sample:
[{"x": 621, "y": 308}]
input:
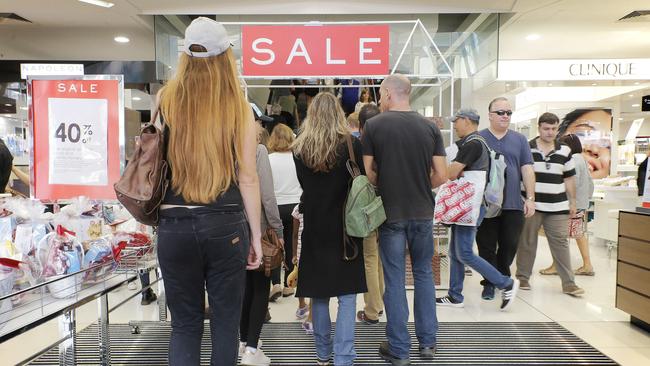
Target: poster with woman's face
[{"x": 594, "y": 128}]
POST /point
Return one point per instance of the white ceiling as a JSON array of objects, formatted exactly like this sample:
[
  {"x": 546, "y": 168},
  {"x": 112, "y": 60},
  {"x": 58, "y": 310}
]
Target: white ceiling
[{"x": 72, "y": 30}]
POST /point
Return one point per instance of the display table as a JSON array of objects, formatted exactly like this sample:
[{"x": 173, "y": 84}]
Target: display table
[
  {"x": 633, "y": 269},
  {"x": 607, "y": 202}
]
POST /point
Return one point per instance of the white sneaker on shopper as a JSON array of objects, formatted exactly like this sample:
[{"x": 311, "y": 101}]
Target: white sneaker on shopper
[
  {"x": 258, "y": 358},
  {"x": 276, "y": 292},
  {"x": 242, "y": 347}
]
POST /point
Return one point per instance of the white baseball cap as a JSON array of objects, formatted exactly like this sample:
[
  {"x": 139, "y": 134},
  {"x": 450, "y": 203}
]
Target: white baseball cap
[{"x": 207, "y": 33}]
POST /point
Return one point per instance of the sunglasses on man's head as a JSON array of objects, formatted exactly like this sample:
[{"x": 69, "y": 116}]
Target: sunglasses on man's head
[{"x": 501, "y": 113}]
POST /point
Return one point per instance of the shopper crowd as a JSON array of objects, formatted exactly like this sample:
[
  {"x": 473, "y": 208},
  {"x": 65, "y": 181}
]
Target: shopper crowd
[{"x": 212, "y": 222}]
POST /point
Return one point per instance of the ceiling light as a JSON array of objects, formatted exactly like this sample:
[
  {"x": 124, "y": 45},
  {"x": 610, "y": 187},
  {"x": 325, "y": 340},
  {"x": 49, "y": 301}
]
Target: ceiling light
[
  {"x": 636, "y": 105},
  {"x": 620, "y": 119},
  {"x": 23, "y": 108},
  {"x": 121, "y": 39},
  {"x": 507, "y": 84},
  {"x": 136, "y": 98},
  {"x": 103, "y": 4},
  {"x": 631, "y": 95},
  {"x": 593, "y": 84},
  {"x": 8, "y": 104},
  {"x": 636, "y": 83},
  {"x": 533, "y": 37}
]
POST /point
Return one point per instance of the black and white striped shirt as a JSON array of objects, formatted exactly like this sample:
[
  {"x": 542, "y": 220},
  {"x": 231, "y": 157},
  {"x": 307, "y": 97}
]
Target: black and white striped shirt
[{"x": 550, "y": 172}]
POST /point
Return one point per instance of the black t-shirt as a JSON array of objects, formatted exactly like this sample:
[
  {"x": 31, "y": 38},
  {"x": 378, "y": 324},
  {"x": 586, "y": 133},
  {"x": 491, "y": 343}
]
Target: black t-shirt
[
  {"x": 403, "y": 145},
  {"x": 472, "y": 154}
]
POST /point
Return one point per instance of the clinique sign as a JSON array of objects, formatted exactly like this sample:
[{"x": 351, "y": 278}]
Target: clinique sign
[
  {"x": 600, "y": 69},
  {"x": 613, "y": 69}
]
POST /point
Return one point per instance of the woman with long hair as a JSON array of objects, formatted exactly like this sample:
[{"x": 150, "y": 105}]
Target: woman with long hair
[
  {"x": 204, "y": 239},
  {"x": 320, "y": 155},
  {"x": 287, "y": 194}
]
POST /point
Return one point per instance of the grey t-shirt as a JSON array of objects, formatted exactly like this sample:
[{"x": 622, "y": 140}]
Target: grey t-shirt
[{"x": 403, "y": 145}]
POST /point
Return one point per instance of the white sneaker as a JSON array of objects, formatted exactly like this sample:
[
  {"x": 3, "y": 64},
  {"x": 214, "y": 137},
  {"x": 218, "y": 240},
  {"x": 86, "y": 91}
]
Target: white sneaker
[
  {"x": 242, "y": 347},
  {"x": 276, "y": 292},
  {"x": 255, "y": 359}
]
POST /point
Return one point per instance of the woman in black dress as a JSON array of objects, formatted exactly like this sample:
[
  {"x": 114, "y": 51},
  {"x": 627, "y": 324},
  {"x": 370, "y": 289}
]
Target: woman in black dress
[{"x": 320, "y": 154}]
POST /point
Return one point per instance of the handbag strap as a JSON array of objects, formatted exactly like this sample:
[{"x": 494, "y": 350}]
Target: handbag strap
[{"x": 351, "y": 164}]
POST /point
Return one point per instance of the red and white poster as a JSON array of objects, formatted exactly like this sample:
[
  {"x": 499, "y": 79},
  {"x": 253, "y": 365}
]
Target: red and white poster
[
  {"x": 315, "y": 50},
  {"x": 76, "y": 127}
]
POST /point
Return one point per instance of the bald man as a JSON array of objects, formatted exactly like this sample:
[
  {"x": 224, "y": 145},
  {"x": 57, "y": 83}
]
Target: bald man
[{"x": 410, "y": 160}]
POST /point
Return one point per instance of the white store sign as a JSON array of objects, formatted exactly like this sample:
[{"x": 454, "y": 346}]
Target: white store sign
[
  {"x": 600, "y": 69},
  {"x": 50, "y": 70}
]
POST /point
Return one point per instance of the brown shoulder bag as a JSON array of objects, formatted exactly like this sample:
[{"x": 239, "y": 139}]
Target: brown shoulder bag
[
  {"x": 272, "y": 252},
  {"x": 144, "y": 182}
]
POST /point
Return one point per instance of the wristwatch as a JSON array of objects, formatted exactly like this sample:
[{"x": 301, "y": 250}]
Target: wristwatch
[{"x": 530, "y": 199}]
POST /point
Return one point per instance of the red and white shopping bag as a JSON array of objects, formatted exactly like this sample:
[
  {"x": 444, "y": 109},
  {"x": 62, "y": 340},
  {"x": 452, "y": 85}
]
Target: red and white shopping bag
[{"x": 459, "y": 201}]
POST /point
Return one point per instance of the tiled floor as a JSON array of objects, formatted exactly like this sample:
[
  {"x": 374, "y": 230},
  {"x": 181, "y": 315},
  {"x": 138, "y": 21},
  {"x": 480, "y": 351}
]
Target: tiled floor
[{"x": 592, "y": 317}]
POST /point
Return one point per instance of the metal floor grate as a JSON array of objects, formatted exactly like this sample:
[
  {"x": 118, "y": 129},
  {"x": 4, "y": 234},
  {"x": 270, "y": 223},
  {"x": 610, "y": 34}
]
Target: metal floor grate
[{"x": 287, "y": 344}]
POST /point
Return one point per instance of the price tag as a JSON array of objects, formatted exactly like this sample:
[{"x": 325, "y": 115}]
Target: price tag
[{"x": 78, "y": 148}]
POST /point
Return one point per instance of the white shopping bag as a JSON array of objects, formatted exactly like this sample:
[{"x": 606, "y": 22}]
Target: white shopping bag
[{"x": 459, "y": 201}]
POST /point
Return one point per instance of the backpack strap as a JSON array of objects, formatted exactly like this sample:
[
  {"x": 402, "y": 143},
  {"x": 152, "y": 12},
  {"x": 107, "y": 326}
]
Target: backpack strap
[
  {"x": 351, "y": 164},
  {"x": 477, "y": 137}
]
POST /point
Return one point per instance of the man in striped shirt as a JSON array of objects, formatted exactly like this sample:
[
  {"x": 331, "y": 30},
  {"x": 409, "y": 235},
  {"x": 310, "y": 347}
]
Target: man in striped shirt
[{"x": 555, "y": 202}]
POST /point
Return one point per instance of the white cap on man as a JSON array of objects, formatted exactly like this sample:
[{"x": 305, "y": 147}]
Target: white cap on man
[{"x": 207, "y": 33}]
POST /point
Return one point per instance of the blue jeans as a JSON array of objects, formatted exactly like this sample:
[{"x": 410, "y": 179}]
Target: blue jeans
[
  {"x": 460, "y": 253},
  {"x": 344, "y": 353},
  {"x": 203, "y": 249},
  {"x": 393, "y": 239}
]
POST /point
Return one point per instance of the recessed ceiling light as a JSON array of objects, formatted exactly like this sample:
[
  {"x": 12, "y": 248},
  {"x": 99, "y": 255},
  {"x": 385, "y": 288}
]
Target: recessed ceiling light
[
  {"x": 620, "y": 119},
  {"x": 121, "y": 39},
  {"x": 8, "y": 104},
  {"x": 136, "y": 98},
  {"x": 636, "y": 105},
  {"x": 593, "y": 84},
  {"x": 550, "y": 84},
  {"x": 636, "y": 83},
  {"x": 103, "y": 4},
  {"x": 631, "y": 95},
  {"x": 533, "y": 37},
  {"x": 507, "y": 84}
]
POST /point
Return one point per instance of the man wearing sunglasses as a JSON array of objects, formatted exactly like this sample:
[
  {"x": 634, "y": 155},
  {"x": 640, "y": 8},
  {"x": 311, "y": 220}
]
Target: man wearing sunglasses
[
  {"x": 555, "y": 203},
  {"x": 497, "y": 237}
]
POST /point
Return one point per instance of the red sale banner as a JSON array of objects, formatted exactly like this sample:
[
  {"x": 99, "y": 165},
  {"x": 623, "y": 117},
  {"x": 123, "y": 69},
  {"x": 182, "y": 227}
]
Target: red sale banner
[
  {"x": 76, "y": 127},
  {"x": 315, "y": 50}
]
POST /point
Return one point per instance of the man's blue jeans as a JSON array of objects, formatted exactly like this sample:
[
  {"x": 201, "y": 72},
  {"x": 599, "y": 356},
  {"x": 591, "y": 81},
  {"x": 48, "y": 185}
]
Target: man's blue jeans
[
  {"x": 344, "y": 353},
  {"x": 460, "y": 253},
  {"x": 393, "y": 239}
]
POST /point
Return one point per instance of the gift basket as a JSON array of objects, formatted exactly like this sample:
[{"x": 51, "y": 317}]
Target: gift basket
[{"x": 61, "y": 254}]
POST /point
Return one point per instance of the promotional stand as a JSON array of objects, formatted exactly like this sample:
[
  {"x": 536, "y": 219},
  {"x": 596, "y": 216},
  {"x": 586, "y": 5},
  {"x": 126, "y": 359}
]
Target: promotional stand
[{"x": 76, "y": 155}]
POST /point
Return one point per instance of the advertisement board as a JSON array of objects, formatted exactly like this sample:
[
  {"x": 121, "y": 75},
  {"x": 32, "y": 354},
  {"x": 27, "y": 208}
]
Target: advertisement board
[
  {"x": 77, "y": 128},
  {"x": 315, "y": 50}
]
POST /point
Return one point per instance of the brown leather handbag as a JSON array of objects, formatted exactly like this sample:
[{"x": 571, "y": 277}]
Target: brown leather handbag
[
  {"x": 272, "y": 252},
  {"x": 144, "y": 182}
]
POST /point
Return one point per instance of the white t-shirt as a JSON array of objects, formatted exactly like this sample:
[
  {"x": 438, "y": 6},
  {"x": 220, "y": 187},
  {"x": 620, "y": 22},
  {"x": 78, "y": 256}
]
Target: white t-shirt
[{"x": 285, "y": 181}]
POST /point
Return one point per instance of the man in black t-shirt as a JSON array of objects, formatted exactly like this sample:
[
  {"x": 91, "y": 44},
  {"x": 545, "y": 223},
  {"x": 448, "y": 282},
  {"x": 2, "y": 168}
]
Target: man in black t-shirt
[
  {"x": 410, "y": 160},
  {"x": 473, "y": 155}
]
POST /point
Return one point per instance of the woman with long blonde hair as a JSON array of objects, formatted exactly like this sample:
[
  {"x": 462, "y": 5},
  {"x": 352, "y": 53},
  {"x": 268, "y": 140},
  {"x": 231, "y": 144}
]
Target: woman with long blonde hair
[
  {"x": 204, "y": 239},
  {"x": 328, "y": 267}
]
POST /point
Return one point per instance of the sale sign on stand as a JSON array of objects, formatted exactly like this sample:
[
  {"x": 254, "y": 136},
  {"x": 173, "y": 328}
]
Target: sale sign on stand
[
  {"x": 76, "y": 127},
  {"x": 315, "y": 50}
]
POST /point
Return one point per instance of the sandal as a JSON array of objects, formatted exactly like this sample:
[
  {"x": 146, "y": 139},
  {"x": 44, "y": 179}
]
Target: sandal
[
  {"x": 548, "y": 271},
  {"x": 582, "y": 271}
]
